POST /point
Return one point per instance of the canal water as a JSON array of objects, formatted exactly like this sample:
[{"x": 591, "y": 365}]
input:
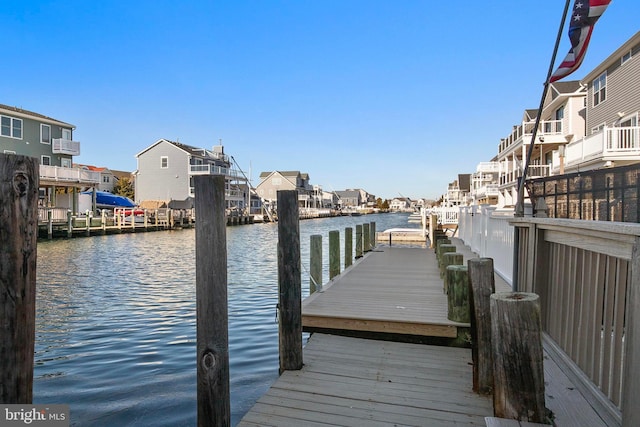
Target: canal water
[{"x": 116, "y": 320}]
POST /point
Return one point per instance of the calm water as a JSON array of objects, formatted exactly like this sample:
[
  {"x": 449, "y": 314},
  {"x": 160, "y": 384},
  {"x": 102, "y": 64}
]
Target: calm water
[{"x": 116, "y": 325}]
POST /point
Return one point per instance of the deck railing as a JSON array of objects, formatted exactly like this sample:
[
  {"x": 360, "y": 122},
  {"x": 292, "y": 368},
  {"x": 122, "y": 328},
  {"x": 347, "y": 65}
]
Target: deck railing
[
  {"x": 76, "y": 175},
  {"x": 446, "y": 215},
  {"x": 587, "y": 274}
]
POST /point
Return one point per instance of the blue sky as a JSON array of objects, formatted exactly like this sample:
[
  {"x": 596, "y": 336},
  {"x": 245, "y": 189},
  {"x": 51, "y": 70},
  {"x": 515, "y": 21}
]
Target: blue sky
[{"x": 396, "y": 96}]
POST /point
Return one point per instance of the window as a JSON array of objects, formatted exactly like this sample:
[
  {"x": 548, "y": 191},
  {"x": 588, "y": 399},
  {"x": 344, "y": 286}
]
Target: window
[
  {"x": 631, "y": 121},
  {"x": 105, "y": 179},
  {"x": 598, "y": 128},
  {"x": 65, "y": 162},
  {"x": 66, "y": 134},
  {"x": 164, "y": 162},
  {"x": 625, "y": 57},
  {"x": 600, "y": 89},
  {"x": 45, "y": 160},
  {"x": 45, "y": 134},
  {"x": 11, "y": 127}
]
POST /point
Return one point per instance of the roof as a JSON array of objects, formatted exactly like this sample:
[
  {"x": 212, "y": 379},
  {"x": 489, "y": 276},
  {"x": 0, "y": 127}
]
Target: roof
[
  {"x": 30, "y": 114},
  {"x": 571, "y": 86},
  {"x": 189, "y": 149},
  {"x": 348, "y": 193},
  {"x": 285, "y": 173}
]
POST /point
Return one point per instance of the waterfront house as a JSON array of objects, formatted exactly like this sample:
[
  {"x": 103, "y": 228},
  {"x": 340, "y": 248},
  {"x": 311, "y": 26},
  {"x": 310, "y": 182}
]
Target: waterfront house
[
  {"x": 272, "y": 182},
  {"x": 166, "y": 169},
  {"x": 484, "y": 183},
  {"x": 612, "y": 128},
  {"x": 107, "y": 178},
  {"x": 400, "y": 204},
  {"x": 349, "y": 198},
  {"x": 457, "y": 191},
  {"x": 51, "y": 142},
  {"x": 562, "y": 120}
]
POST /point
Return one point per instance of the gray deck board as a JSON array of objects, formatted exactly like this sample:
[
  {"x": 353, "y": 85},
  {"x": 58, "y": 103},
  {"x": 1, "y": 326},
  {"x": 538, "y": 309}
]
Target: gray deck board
[
  {"x": 373, "y": 384},
  {"x": 349, "y": 381}
]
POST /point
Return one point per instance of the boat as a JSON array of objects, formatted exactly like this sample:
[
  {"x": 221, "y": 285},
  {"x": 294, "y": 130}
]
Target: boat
[{"x": 106, "y": 200}]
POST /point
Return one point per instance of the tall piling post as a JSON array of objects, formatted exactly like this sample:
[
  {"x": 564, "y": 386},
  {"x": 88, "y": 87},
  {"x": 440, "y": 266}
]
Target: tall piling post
[
  {"x": 18, "y": 240},
  {"x": 289, "y": 282},
  {"x": 334, "y": 253},
  {"x": 481, "y": 286},
  {"x": 358, "y": 241},
  {"x": 212, "y": 335},
  {"x": 315, "y": 261},
  {"x": 372, "y": 234},
  {"x": 366, "y": 240},
  {"x": 348, "y": 247}
]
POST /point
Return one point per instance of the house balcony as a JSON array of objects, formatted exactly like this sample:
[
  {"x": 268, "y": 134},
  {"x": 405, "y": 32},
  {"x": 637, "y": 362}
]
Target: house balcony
[
  {"x": 510, "y": 177},
  {"x": 69, "y": 177},
  {"x": 210, "y": 169},
  {"x": 619, "y": 144},
  {"x": 489, "y": 190},
  {"x": 65, "y": 146},
  {"x": 549, "y": 132}
]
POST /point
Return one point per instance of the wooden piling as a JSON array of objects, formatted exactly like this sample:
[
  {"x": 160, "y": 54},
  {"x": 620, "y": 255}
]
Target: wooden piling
[
  {"x": 18, "y": 240},
  {"x": 481, "y": 286},
  {"x": 334, "y": 253},
  {"x": 458, "y": 294},
  {"x": 315, "y": 261},
  {"x": 348, "y": 247},
  {"x": 366, "y": 240},
  {"x": 449, "y": 258},
  {"x": 443, "y": 249},
  {"x": 439, "y": 243},
  {"x": 69, "y": 225},
  {"x": 289, "y": 281},
  {"x": 372, "y": 234},
  {"x": 518, "y": 391},
  {"x": 211, "y": 303},
  {"x": 358, "y": 241}
]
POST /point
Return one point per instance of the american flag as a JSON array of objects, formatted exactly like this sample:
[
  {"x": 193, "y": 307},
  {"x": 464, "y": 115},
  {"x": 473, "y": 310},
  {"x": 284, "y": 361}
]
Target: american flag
[{"x": 583, "y": 18}]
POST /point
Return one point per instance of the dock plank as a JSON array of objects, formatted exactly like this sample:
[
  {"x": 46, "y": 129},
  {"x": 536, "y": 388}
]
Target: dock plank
[
  {"x": 353, "y": 381},
  {"x": 392, "y": 290}
]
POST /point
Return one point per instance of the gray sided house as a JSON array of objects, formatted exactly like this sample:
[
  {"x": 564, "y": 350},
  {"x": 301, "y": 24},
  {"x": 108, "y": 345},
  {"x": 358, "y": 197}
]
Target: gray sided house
[
  {"x": 272, "y": 182},
  {"x": 349, "y": 198},
  {"x": 166, "y": 170},
  {"x": 50, "y": 141},
  {"x": 613, "y": 111}
]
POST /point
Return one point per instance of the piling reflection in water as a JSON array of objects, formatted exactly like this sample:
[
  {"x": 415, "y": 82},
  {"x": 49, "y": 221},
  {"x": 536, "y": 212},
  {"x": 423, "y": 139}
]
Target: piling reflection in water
[{"x": 115, "y": 321}]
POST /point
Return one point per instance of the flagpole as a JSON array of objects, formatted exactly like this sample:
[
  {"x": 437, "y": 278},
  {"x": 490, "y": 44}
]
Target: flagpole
[{"x": 519, "y": 208}]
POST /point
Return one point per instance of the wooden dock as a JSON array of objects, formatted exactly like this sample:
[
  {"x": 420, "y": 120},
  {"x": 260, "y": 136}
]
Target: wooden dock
[
  {"x": 351, "y": 381},
  {"x": 394, "y": 290},
  {"x": 360, "y": 382}
]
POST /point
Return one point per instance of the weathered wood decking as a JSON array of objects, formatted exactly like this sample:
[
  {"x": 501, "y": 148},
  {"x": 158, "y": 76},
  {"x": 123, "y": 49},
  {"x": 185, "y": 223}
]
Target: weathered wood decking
[
  {"x": 350, "y": 381},
  {"x": 392, "y": 290},
  {"x": 360, "y": 382}
]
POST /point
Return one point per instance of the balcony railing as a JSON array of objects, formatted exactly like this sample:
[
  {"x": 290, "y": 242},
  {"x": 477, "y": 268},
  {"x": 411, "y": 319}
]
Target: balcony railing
[
  {"x": 525, "y": 129},
  {"x": 510, "y": 177},
  {"x": 65, "y": 146},
  {"x": 68, "y": 175},
  {"x": 608, "y": 144},
  {"x": 486, "y": 191},
  {"x": 210, "y": 169}
]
